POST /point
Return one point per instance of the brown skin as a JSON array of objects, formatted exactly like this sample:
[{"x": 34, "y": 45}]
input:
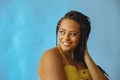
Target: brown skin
[
  {"x": 51, "y": 67},
  {"x": 52, "y": 64},
  {"x": 94, "y": 71},
  {"x": 68, "y": 36}
]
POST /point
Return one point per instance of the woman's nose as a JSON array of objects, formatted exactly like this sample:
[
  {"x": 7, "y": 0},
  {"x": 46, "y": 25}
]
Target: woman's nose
[{"x": 67, "y": 37}]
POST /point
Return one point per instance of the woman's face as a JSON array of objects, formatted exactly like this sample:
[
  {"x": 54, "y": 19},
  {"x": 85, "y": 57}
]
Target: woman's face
[{"x": 68, "y": 35}]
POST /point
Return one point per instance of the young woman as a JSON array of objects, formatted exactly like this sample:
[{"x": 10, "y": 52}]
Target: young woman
[{"x": 70, "y": 59}]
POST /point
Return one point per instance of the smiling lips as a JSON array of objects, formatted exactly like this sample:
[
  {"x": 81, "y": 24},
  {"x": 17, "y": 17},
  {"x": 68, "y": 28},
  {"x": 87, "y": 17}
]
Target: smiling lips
[{"x": 67, "y": 43}]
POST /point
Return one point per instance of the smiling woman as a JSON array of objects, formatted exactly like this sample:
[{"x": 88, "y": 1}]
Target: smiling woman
[
  {"x": 68, "y": 34},
  {"x": 70, "y": 59}
]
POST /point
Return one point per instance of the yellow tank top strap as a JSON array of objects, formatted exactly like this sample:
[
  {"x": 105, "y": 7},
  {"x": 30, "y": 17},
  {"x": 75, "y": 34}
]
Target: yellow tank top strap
[
  {"x": 60, "y": 50},
  {"x": 71, "y": 71}
]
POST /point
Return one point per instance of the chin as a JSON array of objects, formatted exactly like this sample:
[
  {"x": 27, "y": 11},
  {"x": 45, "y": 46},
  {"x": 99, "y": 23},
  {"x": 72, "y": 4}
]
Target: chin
[{"x": 66, "y": 48}]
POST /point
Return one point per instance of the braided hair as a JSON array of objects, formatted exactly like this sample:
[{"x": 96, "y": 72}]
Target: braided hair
[{"x": 85, "y": 29}]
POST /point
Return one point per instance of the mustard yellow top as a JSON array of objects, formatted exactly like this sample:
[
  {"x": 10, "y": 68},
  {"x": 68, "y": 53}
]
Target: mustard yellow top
[{"x": 72, "y": 73}]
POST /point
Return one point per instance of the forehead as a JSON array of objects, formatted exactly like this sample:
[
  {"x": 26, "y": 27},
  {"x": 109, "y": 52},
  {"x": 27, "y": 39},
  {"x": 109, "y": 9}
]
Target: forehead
[{"x": 70, "y": 24}]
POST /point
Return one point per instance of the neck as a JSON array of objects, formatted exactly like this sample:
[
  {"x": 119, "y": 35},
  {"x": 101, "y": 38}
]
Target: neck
[{"x": 69, "y": 54}]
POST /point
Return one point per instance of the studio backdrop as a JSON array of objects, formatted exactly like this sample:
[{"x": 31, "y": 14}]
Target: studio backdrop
[{"x": 27, "y": 29}]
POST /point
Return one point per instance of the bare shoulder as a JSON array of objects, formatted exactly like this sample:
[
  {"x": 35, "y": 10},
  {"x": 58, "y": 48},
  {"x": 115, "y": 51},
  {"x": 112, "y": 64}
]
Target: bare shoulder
[
  {"x": 50, "y": 54},
  {"x": 48, "y": 59},
  {"x": 50, "y": 67}
]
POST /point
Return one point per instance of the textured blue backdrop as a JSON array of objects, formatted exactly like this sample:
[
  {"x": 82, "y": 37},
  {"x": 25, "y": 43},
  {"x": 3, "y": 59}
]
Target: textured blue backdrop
[{"x": 27, "y": 29}]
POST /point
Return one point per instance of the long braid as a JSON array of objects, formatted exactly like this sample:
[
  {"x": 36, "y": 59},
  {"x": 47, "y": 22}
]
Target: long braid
[
  {"x": 85, "y": 29},
  {"x": 84, "y": 23}
]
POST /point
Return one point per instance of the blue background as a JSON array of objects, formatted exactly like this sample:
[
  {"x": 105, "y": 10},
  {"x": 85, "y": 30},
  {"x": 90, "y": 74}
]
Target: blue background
[{"x": 27, "y": 29}]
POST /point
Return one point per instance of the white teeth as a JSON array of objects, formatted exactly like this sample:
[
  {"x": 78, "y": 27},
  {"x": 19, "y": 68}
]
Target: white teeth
[{"x": 66, "y": 43}]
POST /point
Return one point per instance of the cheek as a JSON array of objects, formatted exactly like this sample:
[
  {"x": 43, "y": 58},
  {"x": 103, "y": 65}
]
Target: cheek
[
  {"x": 76, "y": 40},
  {"x": 58, "y": 38}
]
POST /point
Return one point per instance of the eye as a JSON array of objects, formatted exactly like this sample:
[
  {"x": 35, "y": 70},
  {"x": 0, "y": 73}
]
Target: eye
[
  {"x": 62, "y": 32},
  {"x": 73, "y": 34}
]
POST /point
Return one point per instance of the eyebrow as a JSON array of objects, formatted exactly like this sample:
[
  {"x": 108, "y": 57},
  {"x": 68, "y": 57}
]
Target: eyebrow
[
  {"x": 70, "y": 31},
  {"x": 61, "y": 29}
]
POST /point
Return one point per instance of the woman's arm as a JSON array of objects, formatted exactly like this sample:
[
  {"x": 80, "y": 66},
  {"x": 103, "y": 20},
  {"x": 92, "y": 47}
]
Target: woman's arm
[
  {"x": 95, "y": 72},
  {"x": 51, "y": 67}
]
